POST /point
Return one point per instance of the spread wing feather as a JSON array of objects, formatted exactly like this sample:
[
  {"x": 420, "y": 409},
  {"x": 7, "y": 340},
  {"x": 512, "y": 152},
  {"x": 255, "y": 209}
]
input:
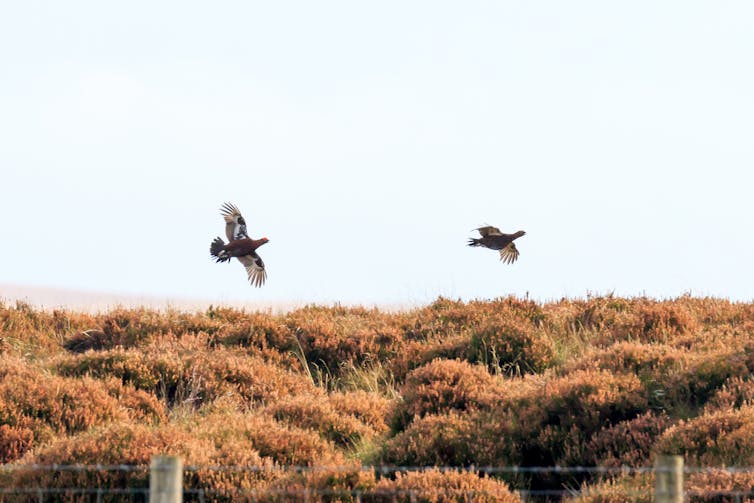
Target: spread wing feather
[
  {"x": 509, "y": 254},
  {"x": 254, "y": 268},
  {"x": 489, "y": 230},
  {"x": 235, "y": 225}
]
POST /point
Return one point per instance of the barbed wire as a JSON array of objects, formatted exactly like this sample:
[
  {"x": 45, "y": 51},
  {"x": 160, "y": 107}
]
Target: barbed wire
[
  {"x": 75, "y": 468},
  {"x": 74, "y": 490},
  {"x": 385, "y": 469},
  {"x": 359, "y": 492}
]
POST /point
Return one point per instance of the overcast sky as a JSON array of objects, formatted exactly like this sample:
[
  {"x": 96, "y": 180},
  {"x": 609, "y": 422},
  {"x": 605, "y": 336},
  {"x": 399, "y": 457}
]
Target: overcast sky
[{"x": 367, "y": 139}]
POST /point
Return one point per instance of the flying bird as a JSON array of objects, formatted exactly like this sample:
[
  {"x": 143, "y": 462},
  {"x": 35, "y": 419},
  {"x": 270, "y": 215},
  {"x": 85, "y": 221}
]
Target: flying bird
[
  {"x": 495, "y": 240},
  {"x": 240, "y": 245}
]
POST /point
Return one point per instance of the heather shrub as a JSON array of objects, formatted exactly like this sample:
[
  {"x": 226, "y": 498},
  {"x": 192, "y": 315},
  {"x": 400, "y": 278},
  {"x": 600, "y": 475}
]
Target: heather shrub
[
  {"x": 140, "y": 406},
  {"x": 709, "y": 485},
  {"x": 215, "y": 440},
  {"x": 658, "y": 366},
  {"x": 500, "y": 333},
  {"x": 638, "y": 488},
  {"x": 439, "y": 319},
  {"x": 333, "y": 338},
  {"x": 452, "y": 346},
  {"x": 255, "y": 330},
  {"x": 660, "y": 319},
  {"x": 135, "y": 445},
  {"x": 126, "y": 328},
  {"x": 733, "y": 394},
  {"x": 588, "y": 400},
  {"x": 14, "y": 442},
  {"x": 347, "y": 483},
  {"x": 472, "y": 436},
  {"x": 647, "y": 361},
  {"x": 25, "y": 330},
  {"x": 706, "y": 373},
  {"x": 441, "y": 386},
  {"x": 550, "y": 423},
  {"x": 435, "y": 486},
  {"x": 369, "y": 408},
  {"x": 714, "y": 311},
  {"x": 674, "y": 378},
  {"x": 255, "y": 380},
  {"x": 13, "y": 365},
  {"x": 194, "y": 376},
  {"x": 416, "y": 353},
  {"x": 639, "y": 318},
  {"x": 445, "y": 440},
  {"x": 282, "y": 443},
  {"x": 115, "y": 444},
  {"x": 85, "y": 340},
  {"x": 316, "y": 413},
  {"x": 47, "y": 404},
  {"x": 445, "y": 317},
  {"x": 713, "y": 439},
  {"x": 121, "y": 328},
  {"x": 253, "y": 440},
  {"x": 627, "y": 443},
  {"x": 158, "y": 373},
  {"x": 510, "y": 346}
]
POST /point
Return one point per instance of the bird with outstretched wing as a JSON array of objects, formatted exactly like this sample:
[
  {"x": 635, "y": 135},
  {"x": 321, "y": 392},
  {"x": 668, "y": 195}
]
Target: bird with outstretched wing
[
  {"x": 495, "y": 240},
  {"x": 239, "y": 245}
]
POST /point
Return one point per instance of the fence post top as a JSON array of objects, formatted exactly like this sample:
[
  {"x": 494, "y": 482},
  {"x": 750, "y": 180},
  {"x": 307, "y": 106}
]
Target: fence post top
[
  {"x": 669, "y": 460},
  {"x": 167, "y": 460}
]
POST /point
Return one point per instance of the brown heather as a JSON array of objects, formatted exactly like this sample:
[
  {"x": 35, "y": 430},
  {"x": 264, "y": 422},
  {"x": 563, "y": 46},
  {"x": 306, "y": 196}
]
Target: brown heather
[
  {"x": 734, "y": 393},
  {"x": 316, "y": 413},
  {"x": 434, "y": 486},
  {"x": 713, "y": 439},
  {"x": 604, "y": 380},
  {"x": 443, "y": 440},
  {"x": 189, "y": 375},
  {"x": 622, "y": 489},
  {"x": 444, "y": 385},
  {"x": 627, "y": 443},
  {"x": 369, "y": 408},
  {"x": 707, "y": 486}
]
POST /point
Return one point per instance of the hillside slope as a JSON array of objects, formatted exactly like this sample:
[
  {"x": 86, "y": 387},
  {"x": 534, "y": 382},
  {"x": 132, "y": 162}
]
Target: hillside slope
[{"x": 600, "y": 381}]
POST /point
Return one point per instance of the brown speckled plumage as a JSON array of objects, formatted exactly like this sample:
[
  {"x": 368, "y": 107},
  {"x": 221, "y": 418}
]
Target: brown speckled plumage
[{"x": 493, "y": 239}]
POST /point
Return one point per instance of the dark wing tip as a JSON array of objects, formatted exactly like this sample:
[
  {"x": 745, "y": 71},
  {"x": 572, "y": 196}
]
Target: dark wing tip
[{"x": 228, "y": 209}]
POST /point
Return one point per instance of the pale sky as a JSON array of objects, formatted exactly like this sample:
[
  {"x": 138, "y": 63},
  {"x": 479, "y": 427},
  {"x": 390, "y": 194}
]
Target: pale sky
[{"x": 367, "y": 139}]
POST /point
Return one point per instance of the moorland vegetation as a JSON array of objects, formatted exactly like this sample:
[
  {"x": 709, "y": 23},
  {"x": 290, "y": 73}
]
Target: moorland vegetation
[{"x": 601, "y": 381}]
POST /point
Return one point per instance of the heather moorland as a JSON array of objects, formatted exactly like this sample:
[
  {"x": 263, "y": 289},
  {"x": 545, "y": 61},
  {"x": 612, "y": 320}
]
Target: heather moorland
[{"x": 601, "y": 381}]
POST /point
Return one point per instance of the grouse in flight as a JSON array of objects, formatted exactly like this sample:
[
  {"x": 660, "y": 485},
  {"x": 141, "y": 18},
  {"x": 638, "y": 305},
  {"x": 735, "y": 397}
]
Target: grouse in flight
[
  {"x": 494, "y": 239},
  {"x": 240, "y": 245}
]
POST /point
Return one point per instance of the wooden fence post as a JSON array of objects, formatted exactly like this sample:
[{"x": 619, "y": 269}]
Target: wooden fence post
[
  {"x": 669, "y": 479},
  {"x": 166, "y": 480}
]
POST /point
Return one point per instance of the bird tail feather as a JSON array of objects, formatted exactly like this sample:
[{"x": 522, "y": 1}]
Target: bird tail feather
[
  {"x": 475, "y": 242},
  {"x": 217, "y": 251}
]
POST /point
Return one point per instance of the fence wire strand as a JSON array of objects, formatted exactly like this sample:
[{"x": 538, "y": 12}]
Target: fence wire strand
[{"x": 382, "y": 470}]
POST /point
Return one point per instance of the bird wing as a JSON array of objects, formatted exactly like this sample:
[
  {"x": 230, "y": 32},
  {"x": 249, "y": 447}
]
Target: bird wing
[
  {"x": 488, "y": 230},
  {"x": 254, "y": 268},
  {"x": 509, "y": 254},
  {"x": 235, "y": 225}
]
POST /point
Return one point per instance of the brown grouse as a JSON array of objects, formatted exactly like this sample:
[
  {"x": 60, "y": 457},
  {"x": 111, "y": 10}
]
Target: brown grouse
[
  {"x": 240, "y": 245},
  {"x": 495, "y": 240}
]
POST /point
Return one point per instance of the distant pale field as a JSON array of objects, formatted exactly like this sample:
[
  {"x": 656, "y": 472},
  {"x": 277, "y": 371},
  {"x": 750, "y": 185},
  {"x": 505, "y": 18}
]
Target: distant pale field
[{"x": 93, "y": 301}]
